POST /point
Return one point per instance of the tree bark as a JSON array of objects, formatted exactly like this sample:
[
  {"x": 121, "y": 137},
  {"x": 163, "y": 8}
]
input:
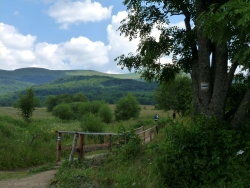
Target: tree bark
[
  {"x": 242, "y": 112},
  {"x": 204, "y": 71},
  {"x": 220, "y": 84}
]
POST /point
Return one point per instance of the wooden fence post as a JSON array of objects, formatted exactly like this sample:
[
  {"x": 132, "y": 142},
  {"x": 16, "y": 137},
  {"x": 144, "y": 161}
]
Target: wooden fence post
[
  {"x": 156, "y": 129},
  {"x": 59, "y": 147},
  {"x": 150, "y": 136},
  {"x": 71, "y": 156},
  {"x": 110, "y": 142},
  {"x": 104, "y": 139},
  {"x": 81, "y": 142}
]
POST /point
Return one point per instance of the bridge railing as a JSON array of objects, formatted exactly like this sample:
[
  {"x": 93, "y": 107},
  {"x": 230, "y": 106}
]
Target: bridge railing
[{"x": 82, "y": 147}]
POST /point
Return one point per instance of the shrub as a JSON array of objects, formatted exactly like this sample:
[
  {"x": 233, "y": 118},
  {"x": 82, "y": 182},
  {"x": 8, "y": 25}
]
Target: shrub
[
  {"x": 129, "y": 144},
  {"x": 105, "y": 113},
  {"x": 75, "y": 106},
  {"x": 89, "y": 107},
  {"x": 50, "y": 102},
  {"x": 163, "y": 122},
  {"x": 204, "y": 154},
  {"x": 127, "y": 107},
  {"x": 92, "y": 123},
  {"x": 63, "y": 111}
]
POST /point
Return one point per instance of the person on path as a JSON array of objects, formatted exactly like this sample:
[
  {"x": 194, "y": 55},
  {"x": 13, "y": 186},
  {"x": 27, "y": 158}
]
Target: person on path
[
  {"x": 174, "y": 115},
  {"x": 156, "y": 117}
]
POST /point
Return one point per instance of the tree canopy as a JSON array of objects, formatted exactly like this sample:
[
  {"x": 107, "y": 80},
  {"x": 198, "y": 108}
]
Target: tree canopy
[
  {"x": 194, "y": 49},
  {"x": 175, "y": 95}
]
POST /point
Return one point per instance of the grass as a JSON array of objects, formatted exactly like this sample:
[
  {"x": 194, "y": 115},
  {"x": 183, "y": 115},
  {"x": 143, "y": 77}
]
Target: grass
[{"x": 40, "y": 136}]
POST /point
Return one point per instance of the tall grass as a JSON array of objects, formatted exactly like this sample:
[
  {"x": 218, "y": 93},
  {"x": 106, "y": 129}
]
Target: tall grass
[{"x": 27, "y": 145}]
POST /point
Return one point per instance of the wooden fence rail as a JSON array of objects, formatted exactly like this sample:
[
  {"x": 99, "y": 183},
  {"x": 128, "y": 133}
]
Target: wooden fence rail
[{"x": 146, "y": 135}]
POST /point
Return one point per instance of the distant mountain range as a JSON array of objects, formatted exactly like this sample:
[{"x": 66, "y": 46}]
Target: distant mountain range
[{"x": 95, "y": 85}]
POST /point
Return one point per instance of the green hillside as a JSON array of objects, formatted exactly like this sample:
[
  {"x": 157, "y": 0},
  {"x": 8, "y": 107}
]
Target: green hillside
[
  {"x": 11, "y": 85},
  {"x": 20, "y": 79},
  {"x": 94, "y": 87}
]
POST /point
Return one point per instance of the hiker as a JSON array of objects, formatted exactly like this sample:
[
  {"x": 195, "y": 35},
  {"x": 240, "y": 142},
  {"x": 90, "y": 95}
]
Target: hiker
[
  {"x": 174, "y": 114},
  {"x": 156, "y": 117}
]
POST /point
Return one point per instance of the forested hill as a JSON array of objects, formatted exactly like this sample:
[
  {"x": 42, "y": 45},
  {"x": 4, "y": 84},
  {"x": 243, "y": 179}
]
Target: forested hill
[
  {"x": 93, "y": 87},
  {"x": 19, "y": 79}
]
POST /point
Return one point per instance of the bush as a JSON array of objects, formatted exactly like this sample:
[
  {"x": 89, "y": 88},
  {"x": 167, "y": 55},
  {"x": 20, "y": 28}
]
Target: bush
[
  {"x": 63, "y": 111},
  {"x": 163, "y": 122},
  {"x": 50, "y": 103},
  {"x": 89, "y": 107},
  {"x": 129, "y": 145},
  {"x": 204, "y": 154},
  {"x": 105, "y": 113},
  {"x": 127, "y": 107},
  {"x": 75, "y": 106},
  {"x": 92, "y": 123}
]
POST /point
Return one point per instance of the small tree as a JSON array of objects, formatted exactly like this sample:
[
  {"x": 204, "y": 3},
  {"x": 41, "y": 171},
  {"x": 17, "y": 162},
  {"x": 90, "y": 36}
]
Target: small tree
[
  {"x": 27, "y": 103},
  {"x": 50, "y": 102},
  {"x": 127, "y": 107},
  {"x": 175, "y": 95}
]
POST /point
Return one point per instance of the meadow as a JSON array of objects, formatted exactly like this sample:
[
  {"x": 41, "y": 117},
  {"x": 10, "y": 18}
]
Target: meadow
[
  {"x": 29, "y": 145},
  {"x": 204, "y": 154}
]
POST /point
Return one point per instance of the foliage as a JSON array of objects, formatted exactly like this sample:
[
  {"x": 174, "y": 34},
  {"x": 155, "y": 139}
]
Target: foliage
[
  {"x": 89, "y": 107},
  {"x": 163, "y": 122},
  {"x": 80, "y": 97},
  {"x": 51, "y": 101},
  {"x": 193, "y": 48},
  {"x": 91, "y": 123},
  {"x": 204, "y": 154},
  {"x": 175, "y": 95},
  {"x": 21, "y": 146},
  {"x": 63, "y": 111},
  {"x": 215, "y": 24},
  {"x": 106, "y": 113},
  {"x": 236, "y": 93},
  {"x": 92, "y": 87},
  {"x": 130, "y": 145},
  {"x": 27, "y": 103},
  {"x": 127, "y": 107}
]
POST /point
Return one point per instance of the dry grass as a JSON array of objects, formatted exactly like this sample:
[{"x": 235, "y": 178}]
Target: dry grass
[{"x": 14, "y": 112}]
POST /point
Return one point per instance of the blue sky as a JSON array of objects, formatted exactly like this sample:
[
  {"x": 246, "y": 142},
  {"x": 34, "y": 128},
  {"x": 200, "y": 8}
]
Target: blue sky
[{"x": 64, "y": 34}]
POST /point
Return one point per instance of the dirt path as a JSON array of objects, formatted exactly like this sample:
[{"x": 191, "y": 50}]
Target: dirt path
[
  {"x": 40, "y": 180},
  {"x": 37, "y": 180}
]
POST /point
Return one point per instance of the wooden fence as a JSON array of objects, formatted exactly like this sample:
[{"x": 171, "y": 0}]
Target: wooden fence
[{"x": 146, "y": 135}]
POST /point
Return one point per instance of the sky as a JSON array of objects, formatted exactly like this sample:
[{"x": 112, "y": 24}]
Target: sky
[{"x": 65, "y": 35}]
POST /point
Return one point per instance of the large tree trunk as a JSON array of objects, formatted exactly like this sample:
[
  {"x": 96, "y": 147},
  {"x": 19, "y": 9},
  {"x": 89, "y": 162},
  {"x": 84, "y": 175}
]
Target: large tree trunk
[
  {"x": 242, "y": 113},
  {"x": 220, "y": 82},
  {"x": 204, "y": 79}
]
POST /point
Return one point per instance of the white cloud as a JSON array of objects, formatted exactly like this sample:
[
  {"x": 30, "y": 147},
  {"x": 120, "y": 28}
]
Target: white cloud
[
  {"x": 15, "y": 48},
  {"x": 118, "y": 45},
  {"x": 18, "y": 51},
  {"x": 66, "y": 12},
  {"x": 13, "y": 39}
]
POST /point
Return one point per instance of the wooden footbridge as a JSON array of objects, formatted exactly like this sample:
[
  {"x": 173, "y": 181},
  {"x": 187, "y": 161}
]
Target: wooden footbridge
[{"x": 79, "y": 145}]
